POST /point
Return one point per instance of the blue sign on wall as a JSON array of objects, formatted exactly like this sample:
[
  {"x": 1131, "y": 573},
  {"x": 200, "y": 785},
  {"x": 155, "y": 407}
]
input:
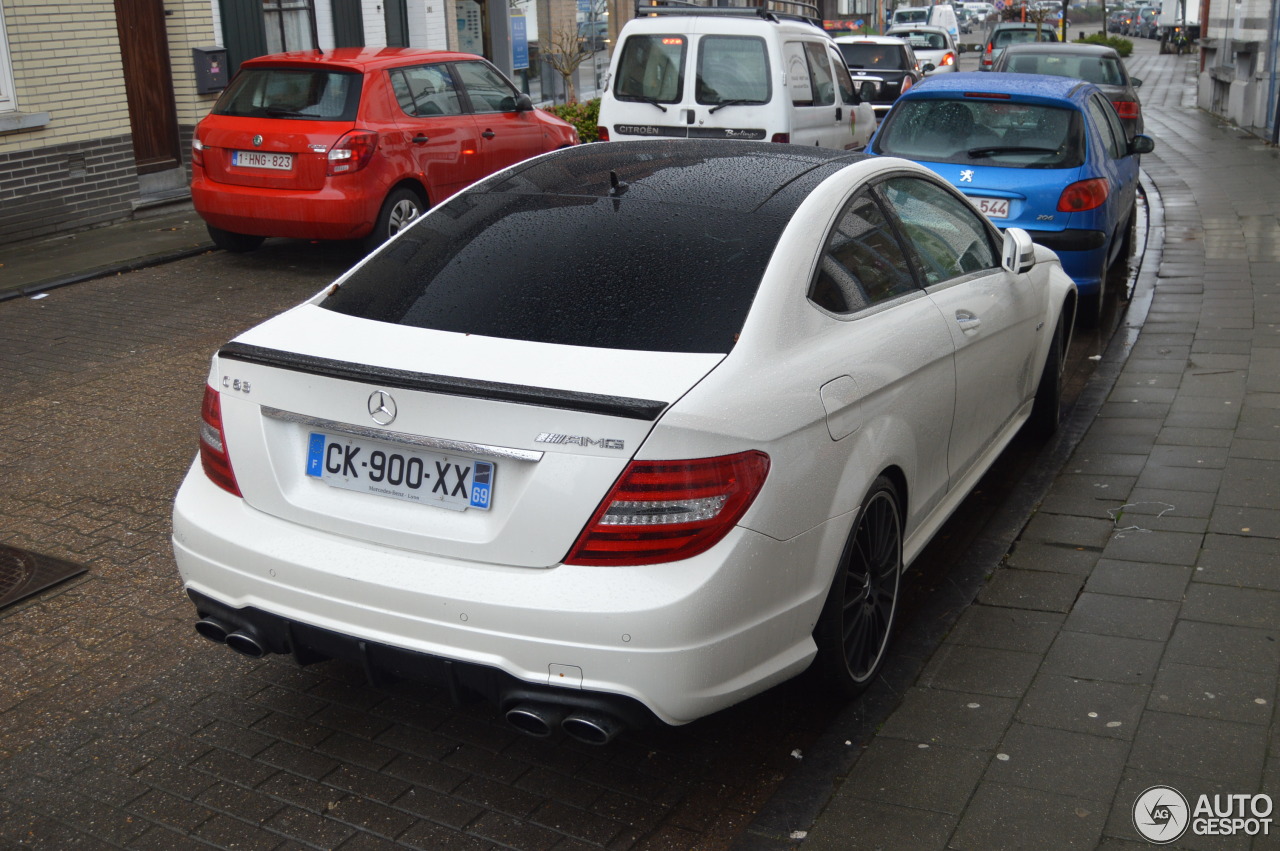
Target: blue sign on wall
[{"x": 519, "y": 43}]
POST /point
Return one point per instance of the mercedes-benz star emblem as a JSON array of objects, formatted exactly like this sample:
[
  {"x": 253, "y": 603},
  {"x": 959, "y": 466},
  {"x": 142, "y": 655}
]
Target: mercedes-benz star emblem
[
  {"x": 382, "y": 407},
  {"x": 257, "y": 141}
]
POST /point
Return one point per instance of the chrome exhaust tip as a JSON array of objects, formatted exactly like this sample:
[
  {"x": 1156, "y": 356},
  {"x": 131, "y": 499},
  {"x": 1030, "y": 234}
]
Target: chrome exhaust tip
[
  {"x": 592, "y": 728},
  {"x": 243, "y": 642},
  {"x": 215, "y": 631},
  {"x": 535, "y": 719}
]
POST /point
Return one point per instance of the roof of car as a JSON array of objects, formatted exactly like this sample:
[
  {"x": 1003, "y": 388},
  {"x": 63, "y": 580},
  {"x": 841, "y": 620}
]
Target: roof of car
[
  {"x": 1021, "y": 25},
  {"x": 1062, "y": 48},
  {"x": 980, "y": 83},
  {"x": 762, "y": 177},
  {"x": 917, "y": 28},
  {"x": 868, "y": 39},
  {"x": 360, "y": 58}
]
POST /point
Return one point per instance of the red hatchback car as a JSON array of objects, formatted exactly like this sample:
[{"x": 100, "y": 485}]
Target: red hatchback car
[{"x": 355, "y": 143}]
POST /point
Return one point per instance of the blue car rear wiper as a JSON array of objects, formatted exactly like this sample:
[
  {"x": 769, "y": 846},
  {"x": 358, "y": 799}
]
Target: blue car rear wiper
[{"x": 1009, "y": 149}]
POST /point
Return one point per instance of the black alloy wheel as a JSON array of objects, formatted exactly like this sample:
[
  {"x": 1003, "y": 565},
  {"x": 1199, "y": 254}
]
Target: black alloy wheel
[{"x": 857, "y": 620}]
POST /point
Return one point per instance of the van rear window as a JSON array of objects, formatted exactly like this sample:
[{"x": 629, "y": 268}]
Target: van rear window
[
  {"x": 652, "y": 68},
  {"x": 306, "y": 93},
  {"x": 732, "y": 70}
]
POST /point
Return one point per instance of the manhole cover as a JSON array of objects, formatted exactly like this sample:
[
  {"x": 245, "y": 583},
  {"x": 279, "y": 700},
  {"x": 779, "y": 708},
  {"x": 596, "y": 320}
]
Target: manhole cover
[{"x": 23, "y": 573}]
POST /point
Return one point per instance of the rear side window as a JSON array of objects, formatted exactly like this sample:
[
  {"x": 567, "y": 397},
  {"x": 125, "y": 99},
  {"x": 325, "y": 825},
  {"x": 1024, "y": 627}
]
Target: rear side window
[
  {"x": 651, "y": 68},
  {"x": 530, "y": 267},
  {"x": 426, "y": 90},
  {"x": 983, "y": 133},
  {"x": 732, "y": 69},
  {"x": 809, "y": 74},
  {"x": 304, "y": 93}
]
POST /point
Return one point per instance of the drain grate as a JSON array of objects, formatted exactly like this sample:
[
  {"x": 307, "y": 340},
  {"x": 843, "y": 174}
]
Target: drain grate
[{"x": 23, "y": 573}]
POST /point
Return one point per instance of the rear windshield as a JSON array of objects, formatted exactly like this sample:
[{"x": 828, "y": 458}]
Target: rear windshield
[
  {"x": 911, "y": 16},
  {"x": 732, "y": 69},
  {"x": 1004, "y": 38},
  {"x": 306, "y": 93},
  {"x": 869, "y": 55},
  {"x": 651, "y": 68},
  {"x": 1102, "y": 70},
  {"x": 984, "y": 132},
  {"x": 579, "y": 271},
  {"x": 923, "y": 40}
]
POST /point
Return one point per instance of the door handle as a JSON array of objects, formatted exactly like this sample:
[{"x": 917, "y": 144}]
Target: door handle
[
  {"x": 969, "y": 322},
  {"x": 421, "y": 138},
  {"x": 839, "y": 114},
  {"x": 488, "y": 134}
]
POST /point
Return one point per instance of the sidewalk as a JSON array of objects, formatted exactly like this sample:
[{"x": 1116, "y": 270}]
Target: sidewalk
[
  {"x": 1131, "y": 639},
  {"x": 162, "y": 236}
]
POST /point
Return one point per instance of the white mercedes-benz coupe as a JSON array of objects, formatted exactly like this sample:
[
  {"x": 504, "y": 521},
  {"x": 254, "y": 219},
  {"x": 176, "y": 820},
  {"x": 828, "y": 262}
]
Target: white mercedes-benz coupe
[{"x": 626, "y": 431}]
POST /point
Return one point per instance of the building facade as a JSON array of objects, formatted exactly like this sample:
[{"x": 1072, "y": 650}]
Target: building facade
[{"x": 1238, "y": 63}]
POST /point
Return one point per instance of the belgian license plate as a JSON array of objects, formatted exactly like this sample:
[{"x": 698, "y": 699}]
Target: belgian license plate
[
  {"x": 995, "y": 208},
  {"x": 262, "y": 159},
  {"x": 414, "y": 475}
]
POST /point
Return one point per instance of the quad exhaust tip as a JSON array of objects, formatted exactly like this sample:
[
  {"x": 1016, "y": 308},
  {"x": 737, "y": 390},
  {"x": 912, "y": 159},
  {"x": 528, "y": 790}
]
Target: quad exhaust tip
[
  {"x": 540, "y": 720},
  {"x": 241, "y": 641}
]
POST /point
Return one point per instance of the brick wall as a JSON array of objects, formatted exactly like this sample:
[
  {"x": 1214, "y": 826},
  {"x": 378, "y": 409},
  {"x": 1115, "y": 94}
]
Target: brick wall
[{"x": 65, "y": 187}]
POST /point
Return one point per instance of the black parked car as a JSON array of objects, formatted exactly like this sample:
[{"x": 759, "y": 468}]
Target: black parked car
[{"x": 888, "y": 63}]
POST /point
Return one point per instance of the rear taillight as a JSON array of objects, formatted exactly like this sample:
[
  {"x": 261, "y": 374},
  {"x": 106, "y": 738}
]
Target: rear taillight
[
  {"x": 602, "y": 134},
  {"x": 197, "y": 152},
  {"x": 353, "y": 152},
  {"x": 1084, "y": 195},
  {"x": 1127, "y": 108},
  {"x": 949, "y": 59},
  {"x": 213, "y": 444},
  {"x": 660, "y": 511},
  {"x": 781, "y": 138}
]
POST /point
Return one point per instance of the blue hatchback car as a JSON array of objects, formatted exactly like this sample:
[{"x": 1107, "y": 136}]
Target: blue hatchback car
[{"x": 1046, "y": 154}]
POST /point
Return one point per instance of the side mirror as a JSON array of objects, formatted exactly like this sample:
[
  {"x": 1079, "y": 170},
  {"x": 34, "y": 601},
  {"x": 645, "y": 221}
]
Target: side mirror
[
  {"x": 523, "y": 103},
  {"x": 868, "y": 90},
  {"x": 929, "y": 66},
  {"x": 1141, "y": 144},
  {"x": 1135, "y": 82},
  {"x": 1019, "y": 253}
]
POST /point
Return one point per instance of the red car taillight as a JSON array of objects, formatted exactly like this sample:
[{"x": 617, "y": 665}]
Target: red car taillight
[
  {"x": 602, "y": 134},
  {"x": 213, "y": 444},
  {"x": 949, "y": 59},
  {"x": 1084, "y": 195},
  {"x": 197, "y": 152},
  {"x": 660, "y": 511},
  {"x": 353, "y": 152},
  {"x": 1127, "y": 108},
  {"x": 781, "y": 138}
]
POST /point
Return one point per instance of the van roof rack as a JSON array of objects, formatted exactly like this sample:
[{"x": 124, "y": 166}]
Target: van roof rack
[{"x": 797, "y": 10}]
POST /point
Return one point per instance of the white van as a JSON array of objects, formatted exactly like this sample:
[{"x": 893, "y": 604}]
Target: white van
[
  {"x": 723, "y": 72},
  {"x": 943, "y": 15}
]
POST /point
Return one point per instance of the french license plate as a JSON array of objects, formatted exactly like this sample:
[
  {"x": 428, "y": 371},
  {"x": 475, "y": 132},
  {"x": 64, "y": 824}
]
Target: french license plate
[
  {"x": 995, "y": 208},
  {"x": 414, "y": 475},
  {"x": 262, "y": 159}
]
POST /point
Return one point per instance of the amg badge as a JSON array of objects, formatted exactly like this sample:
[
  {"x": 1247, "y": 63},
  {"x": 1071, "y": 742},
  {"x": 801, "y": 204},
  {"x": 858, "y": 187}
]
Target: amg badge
[{"x": 578, "y": 440}]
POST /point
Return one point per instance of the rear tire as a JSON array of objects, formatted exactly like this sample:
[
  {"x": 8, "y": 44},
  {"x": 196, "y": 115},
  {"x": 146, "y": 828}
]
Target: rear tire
[
  {"x": 857, "y": 619},
  {"x": 236, "y": 243},
  {"x": 401, "y": 209}
]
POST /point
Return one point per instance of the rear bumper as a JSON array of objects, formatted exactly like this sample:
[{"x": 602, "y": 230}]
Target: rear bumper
[
  {"x": 327, "y": 213},
  {"x": 1083, "y": 254},
  {"x": 684, "y": 639}
]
